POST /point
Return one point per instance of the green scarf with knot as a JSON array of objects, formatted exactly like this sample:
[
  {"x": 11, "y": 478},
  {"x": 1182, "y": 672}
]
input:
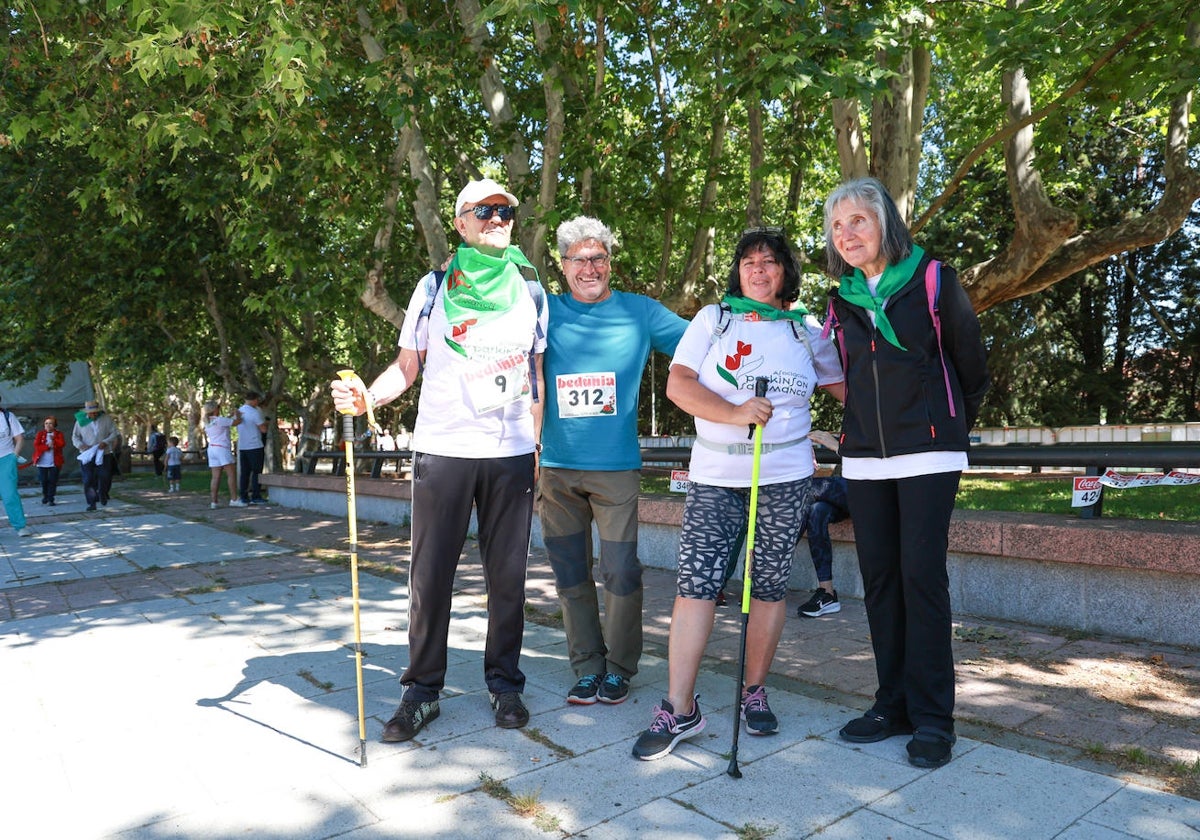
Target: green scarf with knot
[
  {"x": 765, "y": 311},
  {"x": 854, "y": 289},
  {"x": 480, "y": 287}
]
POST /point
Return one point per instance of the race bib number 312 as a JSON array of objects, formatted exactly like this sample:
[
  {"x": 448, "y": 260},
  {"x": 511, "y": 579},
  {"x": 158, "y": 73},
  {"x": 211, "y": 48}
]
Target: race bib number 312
[{"x": 586, "y": 394}]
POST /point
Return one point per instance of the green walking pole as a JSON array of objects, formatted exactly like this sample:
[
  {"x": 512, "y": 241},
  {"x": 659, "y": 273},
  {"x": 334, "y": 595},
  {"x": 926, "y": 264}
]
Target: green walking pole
[
  {"x": 352, "y": 516},
  {"x": 760, "y": 390}
]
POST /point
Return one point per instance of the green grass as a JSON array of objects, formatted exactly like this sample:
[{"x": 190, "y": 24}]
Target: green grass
[{"x": 1049, "y": 494}]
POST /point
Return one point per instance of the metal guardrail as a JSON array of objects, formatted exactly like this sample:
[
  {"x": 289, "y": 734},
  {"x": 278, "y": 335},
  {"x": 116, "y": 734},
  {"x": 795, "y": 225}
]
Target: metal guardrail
[
  {"x": 337, "y": 459},
  {"x": 1094, "y": 459}
]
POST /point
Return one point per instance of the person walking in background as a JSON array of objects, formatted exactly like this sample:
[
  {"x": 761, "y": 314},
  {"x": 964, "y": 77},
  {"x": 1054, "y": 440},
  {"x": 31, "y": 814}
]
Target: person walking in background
[
  {"x": 156, "y": 445},
  {"x": 95, "y": 436},
  {"x": 915, "y": 378},
  {"x": 750, "y": 335},
  {"x": 48, "y": 457},
  {"x": 174, "y": 456},
  {"x": 829, "y": 505},
  {"x": 591, "y": 460},
  {"x": 251, "y": 451},
  {"x": 220, "y": 452},
  {"x": 12, "y": 437},
  {"x": 480, "y": 332}
]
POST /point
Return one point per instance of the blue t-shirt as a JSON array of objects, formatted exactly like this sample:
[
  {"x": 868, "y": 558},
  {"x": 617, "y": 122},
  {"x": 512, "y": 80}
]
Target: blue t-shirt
[{"x": 595, "y": 355}]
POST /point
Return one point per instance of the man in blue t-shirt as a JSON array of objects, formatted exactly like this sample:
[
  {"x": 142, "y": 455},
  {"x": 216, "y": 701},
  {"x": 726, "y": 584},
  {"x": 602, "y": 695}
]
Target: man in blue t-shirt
[{"x": 597, "y": 346}]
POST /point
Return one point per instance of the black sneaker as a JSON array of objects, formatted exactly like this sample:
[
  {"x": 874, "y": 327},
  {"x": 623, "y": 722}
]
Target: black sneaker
[
  {"x": 410, "y": 718},
  {"x": 667, "y": 730},
  {"x": 821, "y": 603},
  {"x": 583, "y": 693},
  {"x": 614, "y": 689},
  {"x": 873, "y": 727},
  {"x": 760, "y": 720},
  {"x": 510, "y": 711},
  {"x": 930, "y": 748}
]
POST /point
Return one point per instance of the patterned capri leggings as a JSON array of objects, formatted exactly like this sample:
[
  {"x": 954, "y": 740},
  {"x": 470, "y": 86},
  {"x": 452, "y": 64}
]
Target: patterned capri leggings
[{"x": 714, "y": 524}]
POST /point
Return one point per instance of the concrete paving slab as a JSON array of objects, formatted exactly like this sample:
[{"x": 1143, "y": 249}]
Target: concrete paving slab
[
  {"x": 797, "y": 790},
  {"x": 1149, "y": 814},
  {"x": 972, "y": 796},
  {"x": 661, "y": 819}
]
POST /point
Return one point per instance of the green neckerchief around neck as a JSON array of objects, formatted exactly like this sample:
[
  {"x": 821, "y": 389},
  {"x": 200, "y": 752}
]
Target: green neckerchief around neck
[
  {"x": 765, "y": 311},
  {"x": 481, "y": 287},
  {"x": 854, "y": 289}
]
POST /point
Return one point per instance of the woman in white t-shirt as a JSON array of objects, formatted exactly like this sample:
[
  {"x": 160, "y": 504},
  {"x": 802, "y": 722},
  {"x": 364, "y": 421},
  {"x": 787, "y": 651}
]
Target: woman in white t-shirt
[
  {"x": 750, "y": 335},
  {"x": 220, "y": 452}
]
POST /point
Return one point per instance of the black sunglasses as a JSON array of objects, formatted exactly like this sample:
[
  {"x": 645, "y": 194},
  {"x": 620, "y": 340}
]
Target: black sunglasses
[{"x": 483, "y": 212}]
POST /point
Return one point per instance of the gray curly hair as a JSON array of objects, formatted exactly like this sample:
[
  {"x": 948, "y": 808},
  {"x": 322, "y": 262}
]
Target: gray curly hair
[{"x": 581, "y": 229}]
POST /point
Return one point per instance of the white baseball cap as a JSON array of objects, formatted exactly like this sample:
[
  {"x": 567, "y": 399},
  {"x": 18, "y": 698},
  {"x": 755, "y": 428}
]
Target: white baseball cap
[{"x": 476, "y": 191}]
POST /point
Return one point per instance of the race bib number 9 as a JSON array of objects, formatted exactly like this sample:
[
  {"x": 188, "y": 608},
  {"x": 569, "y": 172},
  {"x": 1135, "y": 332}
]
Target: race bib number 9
[
  {"x": 498, "y": 383},
  {"x": 586, "y": 394}
]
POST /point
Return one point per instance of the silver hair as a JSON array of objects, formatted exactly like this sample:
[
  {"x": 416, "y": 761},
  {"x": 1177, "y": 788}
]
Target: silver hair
[
  {"x": 581, "y": 229},
  {"x": 896, "y": 241}
]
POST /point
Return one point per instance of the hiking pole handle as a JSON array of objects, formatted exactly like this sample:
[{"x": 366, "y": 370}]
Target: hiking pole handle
[{"x": 760, "y": 390}]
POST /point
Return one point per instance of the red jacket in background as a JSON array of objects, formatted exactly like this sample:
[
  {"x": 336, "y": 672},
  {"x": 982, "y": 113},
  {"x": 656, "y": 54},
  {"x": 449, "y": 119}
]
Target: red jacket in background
[{"x": 45, "y": 441}]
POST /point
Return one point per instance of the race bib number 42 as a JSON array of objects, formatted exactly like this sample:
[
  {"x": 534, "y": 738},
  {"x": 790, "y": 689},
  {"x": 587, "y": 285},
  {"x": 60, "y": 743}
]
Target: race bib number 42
[{"x": 586, "y": 394}]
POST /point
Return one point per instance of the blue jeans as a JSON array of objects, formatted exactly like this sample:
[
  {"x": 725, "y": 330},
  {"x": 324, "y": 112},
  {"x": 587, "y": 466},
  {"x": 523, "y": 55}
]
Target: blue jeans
[{"x": 819, "y": 544}]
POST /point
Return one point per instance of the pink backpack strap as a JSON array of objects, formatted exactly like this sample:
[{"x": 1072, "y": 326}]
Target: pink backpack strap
[
  {"x": 832, "y": 323},
  {"x": 933, "y": 289}
]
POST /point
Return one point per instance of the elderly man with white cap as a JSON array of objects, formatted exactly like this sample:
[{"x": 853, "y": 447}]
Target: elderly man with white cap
[
  {"x": 95, "y": 432},
  {"x": 477, "y": 333}
]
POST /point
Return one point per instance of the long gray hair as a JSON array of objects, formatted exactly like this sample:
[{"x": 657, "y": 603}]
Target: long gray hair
[{"x": 896, "y": 240}]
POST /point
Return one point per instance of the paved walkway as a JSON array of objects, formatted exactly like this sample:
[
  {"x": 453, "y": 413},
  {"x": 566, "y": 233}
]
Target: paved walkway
[{"x": 171, "y": 671}]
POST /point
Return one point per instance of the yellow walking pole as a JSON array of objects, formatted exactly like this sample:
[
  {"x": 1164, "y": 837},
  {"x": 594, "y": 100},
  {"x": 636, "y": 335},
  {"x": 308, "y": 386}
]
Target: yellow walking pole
[
  {"x": 352, "y": 516},
  {"x": 760, "y": 390}
]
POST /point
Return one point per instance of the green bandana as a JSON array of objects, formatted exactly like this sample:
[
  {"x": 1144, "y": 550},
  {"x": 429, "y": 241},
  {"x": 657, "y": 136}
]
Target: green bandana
[
  {"x": 744, "y": 306},
  {"x": 480, "y": 287},
  {"x": 854, "y": 289},
  {"x": 81, "y": 418}
]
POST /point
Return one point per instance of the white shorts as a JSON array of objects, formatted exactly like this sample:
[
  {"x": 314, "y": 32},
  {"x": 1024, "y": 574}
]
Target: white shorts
[{"x": 219, "y": 456}]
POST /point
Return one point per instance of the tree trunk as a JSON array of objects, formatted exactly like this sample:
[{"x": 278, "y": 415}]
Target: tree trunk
[
  {"x": 1044, "y": 250},
  {"x": 509, "y": 139},
  {"x": 687, "y": 300},
  {"x": 754, "y": 201}
]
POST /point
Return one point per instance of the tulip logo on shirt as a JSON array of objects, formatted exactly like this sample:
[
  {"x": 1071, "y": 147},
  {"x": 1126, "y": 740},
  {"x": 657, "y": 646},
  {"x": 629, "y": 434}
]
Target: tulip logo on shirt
[
  {"x": 457, "y": 331},
  {"x": 736, "y": 362}
]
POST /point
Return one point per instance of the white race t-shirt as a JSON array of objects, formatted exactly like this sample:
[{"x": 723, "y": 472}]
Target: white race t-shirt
[
  {"x": 475, "y": 403},
  {"x": 10, "y": 427},
  {"x": 728, "y": 367}
]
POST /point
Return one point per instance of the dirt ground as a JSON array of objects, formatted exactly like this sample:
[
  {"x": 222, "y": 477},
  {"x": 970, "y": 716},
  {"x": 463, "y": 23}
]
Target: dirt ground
[{"x": 1135, "y": 705}]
